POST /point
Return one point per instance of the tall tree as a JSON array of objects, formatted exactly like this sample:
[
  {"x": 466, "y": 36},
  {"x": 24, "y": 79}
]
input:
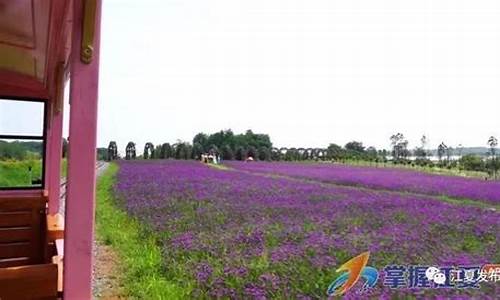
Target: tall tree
[
  {"x": 112, "y": 151},
  {"x": 335, "y": 152},
  {"x": 252, "y": 152},
  {"x": 371, "y": 153},
  {"x": 166, "y": 151},
  {"x": 227, "y": 153},
  {"x": 275, "y": 154},
  {"x": 197, "y": 151},
  {"x": 264, "y": 153},
  {"x": 130, "y": 151},
  {"x": 240, "y": 154},
  {"x": 355, "y": 146},
  {"x": 399, "y": 146},
  {"x": 149, "y": 150},
  {"x": 182, "y": 150},
  {"x": 201, "y": 139},
  {"x": 494, "y": 164},
  {"x": 441, "y": 151},
  {"x": 157, "y": 153},
  {"x": 493, "y": 143},
  {"x": 421, "y": 152}
]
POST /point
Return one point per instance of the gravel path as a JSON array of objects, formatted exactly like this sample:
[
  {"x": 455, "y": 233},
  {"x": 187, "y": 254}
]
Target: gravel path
[{"x": 105, "y": 284}]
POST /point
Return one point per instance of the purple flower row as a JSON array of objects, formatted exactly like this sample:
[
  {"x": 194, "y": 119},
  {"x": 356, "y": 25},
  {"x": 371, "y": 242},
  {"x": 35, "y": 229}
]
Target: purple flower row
[{"x": 394, "y": 179}]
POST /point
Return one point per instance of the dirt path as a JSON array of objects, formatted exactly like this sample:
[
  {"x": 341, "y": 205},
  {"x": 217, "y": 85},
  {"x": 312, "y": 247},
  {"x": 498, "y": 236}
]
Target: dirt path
[
  {"x": 105, "y": 273},
  {"x": 105, "y": 279},
  {"x": 105, "y": 283}
]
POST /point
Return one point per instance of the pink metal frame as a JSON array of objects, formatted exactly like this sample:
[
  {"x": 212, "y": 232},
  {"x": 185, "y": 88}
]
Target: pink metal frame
[
  {"x": 80, "y": 195},
  {"x": 53, "y": 162},
  {"x": 81, "y": 164}
]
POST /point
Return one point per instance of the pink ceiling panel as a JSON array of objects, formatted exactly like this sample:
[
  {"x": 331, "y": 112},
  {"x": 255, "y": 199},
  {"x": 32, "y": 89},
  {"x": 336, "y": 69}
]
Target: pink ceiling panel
[{"x": 16, "y": 23}]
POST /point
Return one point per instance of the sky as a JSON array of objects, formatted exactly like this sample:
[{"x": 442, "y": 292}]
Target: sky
[{"x": 307, "y": 72}]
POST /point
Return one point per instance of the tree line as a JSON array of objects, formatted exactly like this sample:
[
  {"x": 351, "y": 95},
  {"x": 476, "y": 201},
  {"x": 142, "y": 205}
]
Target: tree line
[
  {"x": 18, "y": 150},
  {"x": 470, "y": 162},
  {"x": 230, "y": 146}
]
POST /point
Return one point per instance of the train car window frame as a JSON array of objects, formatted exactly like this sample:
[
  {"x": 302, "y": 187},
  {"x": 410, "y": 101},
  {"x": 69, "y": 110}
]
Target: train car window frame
[{"x": 41, "y": 138}]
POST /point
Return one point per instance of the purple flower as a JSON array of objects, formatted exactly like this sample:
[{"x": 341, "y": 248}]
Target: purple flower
[
  {"x": 203, "y": 272},
  {"x": 184, "y": 241},
  {"x": 255, "y": 292}
]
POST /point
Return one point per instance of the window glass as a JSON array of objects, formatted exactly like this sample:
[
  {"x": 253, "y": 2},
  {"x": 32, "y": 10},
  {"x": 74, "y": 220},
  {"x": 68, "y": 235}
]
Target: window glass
[
  {"x": 22, "y": 143},
  {"x": 21, "y": 118}
]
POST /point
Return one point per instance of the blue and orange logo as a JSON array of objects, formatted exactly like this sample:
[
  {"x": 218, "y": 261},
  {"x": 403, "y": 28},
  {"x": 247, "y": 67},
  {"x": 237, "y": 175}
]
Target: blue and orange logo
[{"x": 353, "y": 270}]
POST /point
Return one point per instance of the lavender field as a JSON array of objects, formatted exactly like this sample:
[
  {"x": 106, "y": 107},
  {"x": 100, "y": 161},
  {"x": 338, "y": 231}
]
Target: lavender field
[
  {"x": 233, "y": 234},
  {"x": 393, "y": 179}
]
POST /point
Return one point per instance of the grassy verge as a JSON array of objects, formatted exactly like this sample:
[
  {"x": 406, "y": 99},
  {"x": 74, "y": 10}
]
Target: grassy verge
[
  {"x": 427, "y": 169},
  {"x": 137, "y": 249},
  {"x": 15, "y": 173}
]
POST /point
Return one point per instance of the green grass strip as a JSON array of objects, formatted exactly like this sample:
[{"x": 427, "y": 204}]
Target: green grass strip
[{"x": 139, "y": 254}]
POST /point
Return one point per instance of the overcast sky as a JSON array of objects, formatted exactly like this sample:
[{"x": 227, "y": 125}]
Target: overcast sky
[{"x": 306, "y": 72}]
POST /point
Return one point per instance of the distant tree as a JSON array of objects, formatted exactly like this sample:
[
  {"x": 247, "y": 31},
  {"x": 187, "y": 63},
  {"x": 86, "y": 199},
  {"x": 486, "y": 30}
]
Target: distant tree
[
  {"x": 182, "y": 150},
  {"x": 227, "y": 153},
  {"x": 314, "y": 154},
  {"x": 421, "y": 152},
  {"x": 371, "y": 153},
  {"x": 309, "y": 153},
  {"x": 335, "y": 152},
  {"x": 197, "y": 151},
  {"x": 291, "y": 154},
  {"x": 441, "y": 151},
  {"x": 157, "y": 153},
  {"x": 112, "y": 152},
  {"x": 257, "y": 140},
  {"x": 383, "y": 154},
  {"x": 355, "y": 146},
  {"x": 149, "y": 150},
  {"x": 399, "y": 147},
  {"x": 282, "y": 152},
  {"x": 493, "y": 143},
  {"x": 493, "y": 164},
  {"x": 227, "y": 137},
  {"x": 18, "y": 150},
  {"x": 322, "y": 153},
  {"x": 264, "y": 154},
  {"x": 471, "y": 162},
  {"x": 252, "y": 152},
  {"x": 166, "y": 151},
  {"x": 214, "y": 150},
  {"x": 130, "y": 151},
  {"x": 102, "y": 153},
  {"x": 202, "y": 140},
  {"x": 275, "y": 154},
  {"x": 303, "y": 154},
  {"x": 240, "y": 154},
  {"x": 220, "y": 139},
  {"x": 355, "y": 150}
]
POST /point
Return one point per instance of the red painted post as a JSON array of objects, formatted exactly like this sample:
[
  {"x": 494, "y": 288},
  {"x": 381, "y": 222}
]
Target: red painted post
[
  {"x": 54, "y": 149},
  {"x": 80, "y": 201}
]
